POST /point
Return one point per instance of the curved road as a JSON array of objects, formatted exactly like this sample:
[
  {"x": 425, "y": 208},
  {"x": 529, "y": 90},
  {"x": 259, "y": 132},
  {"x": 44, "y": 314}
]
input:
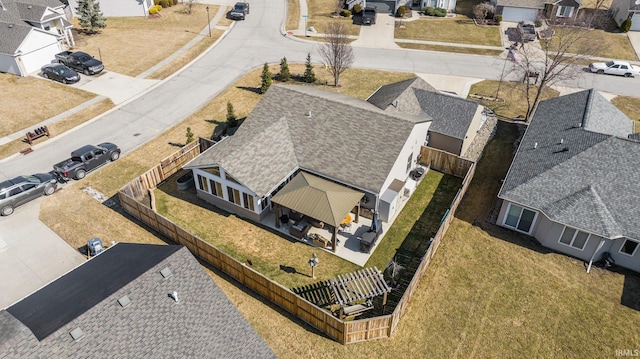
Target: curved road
[{"x": 250, "y": 44}]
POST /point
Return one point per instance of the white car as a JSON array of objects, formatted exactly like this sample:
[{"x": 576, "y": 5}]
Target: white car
[{"x": 615, "y": 67}]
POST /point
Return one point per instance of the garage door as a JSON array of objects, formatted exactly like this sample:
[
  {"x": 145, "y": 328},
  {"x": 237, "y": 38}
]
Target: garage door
[
  {"x": 515, "y": 14},
  {"x": 385, "y": 7},
  {"x": 635, "y": 23},
  {"x": 34, "y": 60}
]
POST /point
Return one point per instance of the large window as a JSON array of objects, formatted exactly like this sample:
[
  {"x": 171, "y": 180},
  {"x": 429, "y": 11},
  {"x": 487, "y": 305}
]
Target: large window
[
  {"x": 409, "y": 162},
  {"x": 216, "y": 188},
  {"x": 519, "y": 218},
  {"x": 215, "y": 170},
  {"x": 574, "y": 238},
  {"x": 247, "y": 199},
  {"x": 234, "y": 195},
  {"x": 564, "y": 11},
  {"x": 629, "y": 247},
  {"x": 204, "y": 184}
]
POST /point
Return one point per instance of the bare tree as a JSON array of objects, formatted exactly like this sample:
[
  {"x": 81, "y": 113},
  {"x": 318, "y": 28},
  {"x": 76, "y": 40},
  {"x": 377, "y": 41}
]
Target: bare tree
[
  {"x": 336, "y": 51},
  {"x": 482, "y": 10},
  {"x": 187, "y": 6},
  {"x": 560, "y": 57}
]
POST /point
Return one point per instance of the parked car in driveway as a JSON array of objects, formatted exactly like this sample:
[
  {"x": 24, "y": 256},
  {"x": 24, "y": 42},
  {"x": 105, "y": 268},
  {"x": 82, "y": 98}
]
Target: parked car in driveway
[
  {"x": 526, "y": 31},
  {"x": 240, "y": 11},
  {"x": 615, "y": 67},
  {"x": 86, "y": 159},
  {"x": 22, "y": 189},
  {"x": 369, "y": 15},
  {"x": 60, "y": 73},
  {"x": 80, "y": 61}
]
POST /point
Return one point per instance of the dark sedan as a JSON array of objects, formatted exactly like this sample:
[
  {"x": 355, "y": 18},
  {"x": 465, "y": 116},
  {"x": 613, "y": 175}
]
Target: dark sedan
[
  {"x": 22, "y": 189},
  {"x": 60, "y": 73}
]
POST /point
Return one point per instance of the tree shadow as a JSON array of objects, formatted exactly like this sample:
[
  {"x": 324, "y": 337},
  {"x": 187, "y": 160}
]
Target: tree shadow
[
  {"x": 255, "y": 90},
  {"x": 631, "y": 289}
]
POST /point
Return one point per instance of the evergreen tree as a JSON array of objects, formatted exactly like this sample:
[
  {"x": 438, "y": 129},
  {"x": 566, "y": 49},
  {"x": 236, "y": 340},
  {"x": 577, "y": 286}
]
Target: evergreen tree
[
  {"x": 90, "y": 15},
  {"x": 231, "y": 116},
  {"x": 309, "y": 75},
  {"x": 285, "y": 75},
  {"x": 266, "y": 78},
  {"x": 190, "y": 136}
]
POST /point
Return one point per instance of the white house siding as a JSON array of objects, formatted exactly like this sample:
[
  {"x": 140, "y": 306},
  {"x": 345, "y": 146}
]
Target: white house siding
[
  {"x": 622, "y": 259},
  {"x": 8, "y": 64},
  {"x": 120, "y": 8},
  {"x": 38, "y": 49},
  {"x": 411, "y": 146},
  {"x": 620, "y": 10}
]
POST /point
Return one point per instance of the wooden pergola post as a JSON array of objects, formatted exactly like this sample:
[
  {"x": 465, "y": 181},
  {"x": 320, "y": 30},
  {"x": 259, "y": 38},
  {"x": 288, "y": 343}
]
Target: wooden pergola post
[
  {"x": 277, "y": 214},
  {"x": 333, "y": 238},
  {"x": 357, "y": 213}
]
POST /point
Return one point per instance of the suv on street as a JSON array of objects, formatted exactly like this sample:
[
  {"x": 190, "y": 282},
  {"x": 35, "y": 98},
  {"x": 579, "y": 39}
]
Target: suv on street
[
  {"x": 240, "y": 11},
  {"x": 22, "y": 189}
]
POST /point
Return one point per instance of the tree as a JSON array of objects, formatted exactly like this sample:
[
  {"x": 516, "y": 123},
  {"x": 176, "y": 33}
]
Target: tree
[
  {"x": 232, "y": 120},
  {"x": 336, "y": 50},
  {"x": 309, "y": 75},
  {"x": 626, "y": 25},
  {"x": 91, "y": 17},
  {"x": 187, "y": 6},
  {"x": 190, "y": 136},
  {"x": 559, "y": 58},
  {"x": 266, "y": 78},
  {"x": 284, "y": 75},
  {"x": 482, "y": 10}
]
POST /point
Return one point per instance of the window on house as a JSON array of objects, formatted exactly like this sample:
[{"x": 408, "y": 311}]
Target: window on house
[
  {"x": 47, "y": 27},
  {"x": 409, "y": 162},
  {"x": 247, "y": 199},
  {"x": 519, "y": 218},
  {"x": 629, "y": 247},
  {"x": 564, "y": 11},
  {"x": 574, "y": 238},
  {"x": 234, "y": 195},
  {"x": 216, "y": 188},
  {"x": 203, "y": 183},
  {"x": 213, "y": 170}
]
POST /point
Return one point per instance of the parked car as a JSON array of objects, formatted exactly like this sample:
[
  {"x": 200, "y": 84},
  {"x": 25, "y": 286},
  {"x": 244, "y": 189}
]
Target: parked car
[
  {"x": 22, "y": 189},
  {"x": 95, "y": 246},
  {"x": 240, "y": 11},
  {"x": 369, "y": 15},
  {"x": 80, "y": 61},
  {"x": 615, "y": 67},
  {"x": 60, "y": 73},
  {"x": 527, "y": 31},
  {"x": 86, "y": 159}
]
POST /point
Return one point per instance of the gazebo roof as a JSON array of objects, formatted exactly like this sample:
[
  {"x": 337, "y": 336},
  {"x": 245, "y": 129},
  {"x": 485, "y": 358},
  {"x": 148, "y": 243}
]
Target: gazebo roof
[
  {"x": 318, "y": 198},
  {"x": 363, "y": 284}
]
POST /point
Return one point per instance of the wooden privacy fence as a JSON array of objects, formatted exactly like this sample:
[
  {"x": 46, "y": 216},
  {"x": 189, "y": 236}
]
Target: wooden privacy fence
[
  {"x": 445, "y": 162},
  {"x": 344, "y": 332}
]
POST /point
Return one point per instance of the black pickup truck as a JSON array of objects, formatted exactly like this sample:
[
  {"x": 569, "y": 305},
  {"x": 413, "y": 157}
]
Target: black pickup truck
[
  {"x": 86, "y": 159},
  {"x": 81, "y": 62},
  {"x": 369, "y": 15}
]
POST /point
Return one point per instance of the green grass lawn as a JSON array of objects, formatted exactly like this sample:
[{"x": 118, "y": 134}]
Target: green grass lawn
[{"x": 458, "y": 30}]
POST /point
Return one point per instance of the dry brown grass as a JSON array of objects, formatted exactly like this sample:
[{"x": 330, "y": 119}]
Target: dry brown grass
[
  {"x": 456, "y": 49},
  {"x": 458, "y": 30},
  {"x": 512, "y": 99},
  {"x": 132, "y": 45},
  {"x": 320, "y": 15},
  {"x": 597, "y": 43},
  {"x": 293, "y": 15},
  {"x": 630, "y": 106},
  {"x": 187, "y": 56},
  {"x": 21, "y": 107}
]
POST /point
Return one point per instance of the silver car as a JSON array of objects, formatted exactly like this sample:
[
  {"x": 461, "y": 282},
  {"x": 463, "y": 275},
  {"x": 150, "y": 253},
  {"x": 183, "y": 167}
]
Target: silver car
[{"x": 22, "y": 189}]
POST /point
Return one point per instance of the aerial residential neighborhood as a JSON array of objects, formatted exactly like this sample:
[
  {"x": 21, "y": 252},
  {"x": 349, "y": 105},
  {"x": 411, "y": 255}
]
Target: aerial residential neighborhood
[{"x": 194, "y": 179}]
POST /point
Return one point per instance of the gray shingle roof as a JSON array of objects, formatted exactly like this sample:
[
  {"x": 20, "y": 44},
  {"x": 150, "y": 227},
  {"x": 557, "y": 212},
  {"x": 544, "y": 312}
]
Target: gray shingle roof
[
  {"x": 529, "y": 4},
  {"x": 205, "y": 324},
  {"x": 340, "y": 139},
  {"x": 450, "y": 115},
  {"x": 575, "y": 175},
  {"x": 13, "y": 21}
]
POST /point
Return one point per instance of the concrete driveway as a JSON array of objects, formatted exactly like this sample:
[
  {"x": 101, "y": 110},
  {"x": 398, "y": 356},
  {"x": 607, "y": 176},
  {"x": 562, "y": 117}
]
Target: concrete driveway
[
  {"x": 31, "y": 255},
  {"x": 115, "y": 86}
]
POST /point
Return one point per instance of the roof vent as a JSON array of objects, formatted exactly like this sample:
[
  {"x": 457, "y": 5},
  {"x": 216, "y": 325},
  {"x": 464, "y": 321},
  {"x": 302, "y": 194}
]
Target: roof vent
[
  {"x": 166, "y": 273},
  {"x": 174, "y": 296},
  {"x": 10, "y": 26},
  {"x": 577, "y": 125},
  {"x": 29, "y": 7},
  {"x": 561, "y": 140},
  {"x": 124, "y": 301},
  {"x": 76, "y": 334},
  {"x": 307, "y": 114},
  {"x": 535, "y": 145}
]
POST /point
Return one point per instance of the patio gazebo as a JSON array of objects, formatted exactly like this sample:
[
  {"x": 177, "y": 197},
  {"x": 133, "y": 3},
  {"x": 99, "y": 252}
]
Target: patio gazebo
[{"x": 318, "y": 198}]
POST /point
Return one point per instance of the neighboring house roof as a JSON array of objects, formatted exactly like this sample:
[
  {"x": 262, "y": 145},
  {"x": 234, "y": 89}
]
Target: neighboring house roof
[
  {"x": 15, "y": 18},
  {"x": 450, "y": 115},
  {"x": 318, "y": 198},
  {"x": 319, "y": 131},
  {"x": 529, "y": 4},
  {"x": 203, "y": 324},
  {"x": 576, "y": 165}
]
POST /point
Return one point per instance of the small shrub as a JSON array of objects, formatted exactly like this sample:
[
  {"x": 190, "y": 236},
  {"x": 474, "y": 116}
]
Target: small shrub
[
  {"x": 155, "y": 9},
  {"x": 538, "y": 23},
  {"x": 430, "y": 11},
  {"x": 400, "y": 12},
  {"x": 498, "y": 18},
  {"x": 190, "y": 136},
  {"x": 626, "y": 25},
  {"x": 284, "y": 74},
  {"x": 345, "y": 13},
  {"x": 166, "y": 3},
  {"x": 175, "y": 2},
  {"x": 232, "y": 120},
  {"x": 440, "y": 12},
  {"x": 357, "y": 8},
  {"x": 156, "y": 2}
]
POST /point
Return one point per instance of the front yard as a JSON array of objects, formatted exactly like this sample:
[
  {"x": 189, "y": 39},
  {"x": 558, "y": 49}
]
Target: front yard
[{"x": 460, "y": 29}]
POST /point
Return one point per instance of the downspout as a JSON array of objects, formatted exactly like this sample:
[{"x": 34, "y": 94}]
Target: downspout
[{"x": 594, "y": 254}]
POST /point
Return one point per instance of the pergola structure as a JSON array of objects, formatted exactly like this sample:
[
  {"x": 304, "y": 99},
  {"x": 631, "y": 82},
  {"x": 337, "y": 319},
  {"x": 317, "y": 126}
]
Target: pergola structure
[
  {"x": 318, "y": 198},
  {"x": 364, "y": 284}
]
